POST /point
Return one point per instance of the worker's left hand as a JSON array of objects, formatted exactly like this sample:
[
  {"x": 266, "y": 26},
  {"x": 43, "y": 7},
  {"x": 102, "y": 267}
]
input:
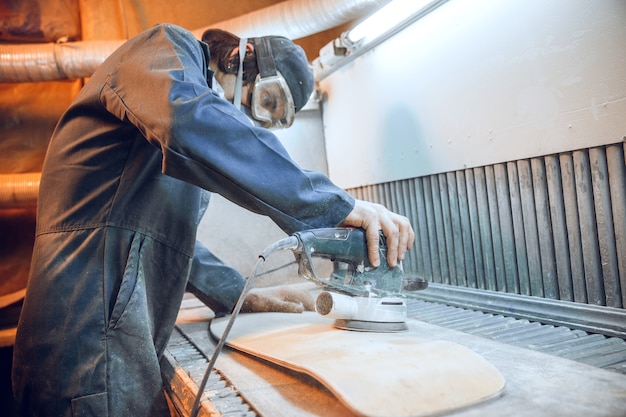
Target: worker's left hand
[{"x": 288, "y": 298}]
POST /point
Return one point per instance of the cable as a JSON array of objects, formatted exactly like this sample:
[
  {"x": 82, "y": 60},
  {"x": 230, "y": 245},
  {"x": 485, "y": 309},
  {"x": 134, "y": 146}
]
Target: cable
[
  {"x": 290, "y": 242},
  {"x": 278, "y": 268}
]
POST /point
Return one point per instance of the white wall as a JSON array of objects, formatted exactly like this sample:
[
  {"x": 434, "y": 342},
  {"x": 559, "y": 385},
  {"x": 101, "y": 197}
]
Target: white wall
[
  {"x": 473, "y": 83},
  {"x": 477, "y": 82}
]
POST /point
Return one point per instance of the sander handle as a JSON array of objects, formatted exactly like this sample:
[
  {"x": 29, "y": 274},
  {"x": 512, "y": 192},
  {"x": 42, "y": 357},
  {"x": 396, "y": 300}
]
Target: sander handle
[
  {"x": 343, "y": 244},
  {"x": 340, "y": 244}
]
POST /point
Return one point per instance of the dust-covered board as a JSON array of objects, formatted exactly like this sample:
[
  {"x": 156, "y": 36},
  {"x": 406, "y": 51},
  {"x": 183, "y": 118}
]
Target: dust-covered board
[{"x": 373, "y": 374}]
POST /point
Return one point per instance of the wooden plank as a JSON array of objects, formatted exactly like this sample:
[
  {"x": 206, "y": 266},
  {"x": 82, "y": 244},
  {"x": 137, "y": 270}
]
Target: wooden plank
[
  {"x": 506, "y": 228},
  {"x": 531, "y": 234},
  {"x": 374, "y": 374},
  {"x": 617, "y": 178},
  {"x": 559, "y": 228},
  {"x": 544, "y": 229},
  {"x": 588, "y": 229},
  {"x": 572, "y": 222},
  {"x": 518, "y": 229},
  {"x": 604, "y": 222}
]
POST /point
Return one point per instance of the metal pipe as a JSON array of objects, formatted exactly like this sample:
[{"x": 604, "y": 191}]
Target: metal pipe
[
  {"x": 19, "y": 190},
  {"x": 293, "y": 19}
]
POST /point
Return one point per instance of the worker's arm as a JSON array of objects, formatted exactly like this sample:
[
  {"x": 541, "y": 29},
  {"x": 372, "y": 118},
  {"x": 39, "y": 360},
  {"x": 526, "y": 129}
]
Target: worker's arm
[
  {"x": 218, "y": 286},
  {"x": 206, "y": 141}
]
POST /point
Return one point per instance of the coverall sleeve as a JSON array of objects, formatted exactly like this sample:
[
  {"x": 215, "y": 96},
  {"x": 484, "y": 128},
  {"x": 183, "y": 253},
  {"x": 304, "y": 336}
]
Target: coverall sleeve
[
  {"x": 213, "y": 282},
  {"x": 161, "y": 87}
]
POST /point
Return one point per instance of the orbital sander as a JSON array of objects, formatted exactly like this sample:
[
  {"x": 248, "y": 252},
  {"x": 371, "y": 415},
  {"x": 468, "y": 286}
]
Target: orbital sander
[{"x": 357, "y": 295}]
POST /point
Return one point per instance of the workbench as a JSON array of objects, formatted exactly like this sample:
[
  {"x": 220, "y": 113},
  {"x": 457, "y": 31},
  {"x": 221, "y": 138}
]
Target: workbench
[{"x": 538, "y": 384}]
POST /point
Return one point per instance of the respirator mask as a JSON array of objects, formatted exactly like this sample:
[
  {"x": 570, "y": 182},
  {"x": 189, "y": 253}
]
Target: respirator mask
[{"x": 271, "y": 103}]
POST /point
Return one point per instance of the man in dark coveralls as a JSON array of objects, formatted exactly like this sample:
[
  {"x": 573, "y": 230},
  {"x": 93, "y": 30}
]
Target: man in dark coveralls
[{"x": 123, "y": 189}]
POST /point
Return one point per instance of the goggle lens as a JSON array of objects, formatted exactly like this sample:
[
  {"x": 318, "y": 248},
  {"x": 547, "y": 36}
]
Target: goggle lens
[{"x": 272, "y": 103}]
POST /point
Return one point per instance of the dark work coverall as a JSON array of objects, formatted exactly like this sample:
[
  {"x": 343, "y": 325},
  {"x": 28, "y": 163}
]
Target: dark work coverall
[{"x": 120, "y": 201}]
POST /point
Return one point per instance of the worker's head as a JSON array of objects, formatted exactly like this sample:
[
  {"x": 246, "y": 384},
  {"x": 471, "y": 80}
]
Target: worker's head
[{"x": 276, "y": 77}]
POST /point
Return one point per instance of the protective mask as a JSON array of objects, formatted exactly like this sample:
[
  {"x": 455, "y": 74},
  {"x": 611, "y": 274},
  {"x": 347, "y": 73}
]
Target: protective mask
[{"x": 217, "y": 88}]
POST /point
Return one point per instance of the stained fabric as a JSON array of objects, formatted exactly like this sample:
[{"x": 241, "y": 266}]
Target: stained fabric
[{"x": 120, "y": 199}]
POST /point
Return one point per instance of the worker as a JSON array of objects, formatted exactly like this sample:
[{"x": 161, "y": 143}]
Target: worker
[{"x": 123, "y": 188}]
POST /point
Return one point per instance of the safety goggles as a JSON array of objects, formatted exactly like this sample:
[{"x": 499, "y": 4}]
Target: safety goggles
[{"x": 271, "y": 103}]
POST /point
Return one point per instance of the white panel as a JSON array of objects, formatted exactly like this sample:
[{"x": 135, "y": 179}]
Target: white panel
[{"x": 479, "y": 82}]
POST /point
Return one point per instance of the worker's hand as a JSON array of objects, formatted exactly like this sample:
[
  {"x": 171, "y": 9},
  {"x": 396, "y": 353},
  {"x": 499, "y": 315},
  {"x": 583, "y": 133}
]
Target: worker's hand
[
  {"x": 288, "y": 298},
  {"x": 397, "y": 230}
]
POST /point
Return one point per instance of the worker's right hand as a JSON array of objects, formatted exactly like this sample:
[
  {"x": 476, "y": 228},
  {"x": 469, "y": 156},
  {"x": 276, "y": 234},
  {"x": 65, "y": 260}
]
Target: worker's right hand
[{"x": 397, "y": 230}]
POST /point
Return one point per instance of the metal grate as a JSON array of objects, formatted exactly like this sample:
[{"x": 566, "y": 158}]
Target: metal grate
[
  {"x": 591, "y": 349},
  {"x": 222, "y": 395},
  {"x": 551, "y": 227}
]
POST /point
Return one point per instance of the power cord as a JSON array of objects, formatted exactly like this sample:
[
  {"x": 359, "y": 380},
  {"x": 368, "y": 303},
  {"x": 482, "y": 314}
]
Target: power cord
[{"x": 290, "y": 243}]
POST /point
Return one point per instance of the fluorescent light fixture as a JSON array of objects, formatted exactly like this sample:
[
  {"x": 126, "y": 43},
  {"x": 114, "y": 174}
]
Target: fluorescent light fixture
[
  {"x": 385, "y": 18},
  {"x": 371, "y": 31}
]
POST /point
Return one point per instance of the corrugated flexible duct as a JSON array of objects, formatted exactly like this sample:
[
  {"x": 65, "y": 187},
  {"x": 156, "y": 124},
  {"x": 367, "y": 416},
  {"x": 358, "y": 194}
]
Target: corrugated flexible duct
[
  {"x": 297, "y": 18},
  {"x": 52, "y": 61},
  {"x": 293, "y": 19},
  {"x": 19, "y": 190}
]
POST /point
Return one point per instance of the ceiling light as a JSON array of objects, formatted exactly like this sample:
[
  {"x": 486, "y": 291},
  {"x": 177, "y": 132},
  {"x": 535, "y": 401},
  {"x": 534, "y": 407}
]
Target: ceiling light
[{"x": 385, "y": 18}]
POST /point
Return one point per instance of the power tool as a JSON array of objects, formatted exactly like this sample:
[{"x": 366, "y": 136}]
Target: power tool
[{"x": 357, "y": 295}]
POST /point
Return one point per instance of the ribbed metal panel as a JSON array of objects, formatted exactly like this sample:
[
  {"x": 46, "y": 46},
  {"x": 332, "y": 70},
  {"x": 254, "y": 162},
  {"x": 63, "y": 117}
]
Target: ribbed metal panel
[
  {"x": 552, "y": 227},
  {"x": 591, "y": 349}
]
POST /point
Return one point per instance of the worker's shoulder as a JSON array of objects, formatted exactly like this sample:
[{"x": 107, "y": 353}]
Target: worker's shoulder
[
  {"x": 164, "y": 35},
  {"x": 171, "y": 34},
  {"x": 171, "y": 30}
]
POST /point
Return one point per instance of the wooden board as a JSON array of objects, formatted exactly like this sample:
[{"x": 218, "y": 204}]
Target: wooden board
[{"x": 373, "y": 374}]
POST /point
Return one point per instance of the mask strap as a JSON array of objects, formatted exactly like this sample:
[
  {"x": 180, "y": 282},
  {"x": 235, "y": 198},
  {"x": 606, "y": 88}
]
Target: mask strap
[
  {"x": 265, "y": 61},
  {"x": 238, "y": 83}
]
